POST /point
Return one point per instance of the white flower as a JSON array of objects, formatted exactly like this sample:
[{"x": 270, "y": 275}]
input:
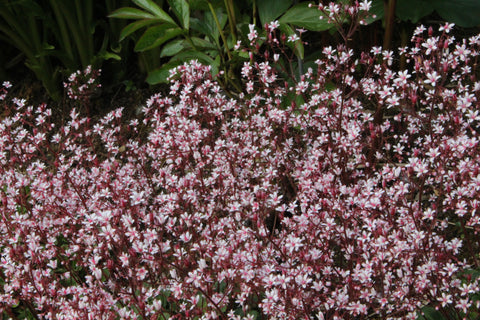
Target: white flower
[
  {"x": 365, "y": 5},
  {"x": 137, "y": 197},
  {"x": 447, "y": 27},
  {"x": 293, "y": 38},
  {"x": 186, "y": 237},
  {"x": 432, "y": 78},
  {"x": 273, "y": 25}
]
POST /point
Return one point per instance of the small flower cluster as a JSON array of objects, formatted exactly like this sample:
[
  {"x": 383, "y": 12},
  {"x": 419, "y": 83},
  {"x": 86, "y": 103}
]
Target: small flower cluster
[
  {"x": 4, "y": 90},
  {"x": 82, "y": 84},
  {"x": 350, "y": 194},
  {"x": 337, "y": 12}
]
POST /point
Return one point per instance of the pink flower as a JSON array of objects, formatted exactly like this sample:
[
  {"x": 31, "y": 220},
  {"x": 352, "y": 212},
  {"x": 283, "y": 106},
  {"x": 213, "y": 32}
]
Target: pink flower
[
  {"x": 294, "y": 37},
  {"x": 430, "y": 44},
  {"x": 195, "y": 278},
  {"x": 253, "y": 33},
  {"x": 186, "y": 237},
  {"x": 432, "y": 78},
  {"x": 447, "y": 27},
  {"x": 463, "y": 304},
  {"x": 365, "y": 5},
  {"x": 273, "y": 25},
  {"x": 137, "y": 197},
  {"x": 141, "y": 273}
]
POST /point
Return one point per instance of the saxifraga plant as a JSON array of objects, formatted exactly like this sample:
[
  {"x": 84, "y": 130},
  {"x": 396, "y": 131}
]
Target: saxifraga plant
[{"x": 356, "y": 199}]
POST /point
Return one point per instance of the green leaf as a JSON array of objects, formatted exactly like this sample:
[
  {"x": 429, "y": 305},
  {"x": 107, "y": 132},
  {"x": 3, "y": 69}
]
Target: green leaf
[
  {"x": 201, "y": 5},
  {"x": 202, "y": 44},
  {"x": 242, "y": 54},
  {"x": 161, "y": 74},
  {"x": 110, "y": 55},
  {"x": 429, "y": 313},
  {"x": 27, "y": 8},
  {"x": 182, "y": 11},
  {"x": 377, "y": 11},
  {"x": 216, "y": 65},
  {"x": 158, "y": 12},
  {"x": 190, "y": 55},
  {"x": 47, "y": 46},
  {"x": 172, "y": 48},
  {"x": 269, "y": 10},
  {"x": 301, "y": 15},
  {"x": 464, "y": 13},
  {"x": 155, "y": 36},
  {"x": 413, "y": 10},
  {"x": 134, "y": 26},
  {"x": 207, "y": 24},
  {"x": 199, "y": 26},
  {"x": 130, "y": 13}
]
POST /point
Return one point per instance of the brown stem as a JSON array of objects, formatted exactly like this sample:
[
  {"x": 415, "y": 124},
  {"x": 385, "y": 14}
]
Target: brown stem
[
  {"x": 389, "y": 21},
  {"x": 404, "y": 40},
  {"x": 469, "y": 245}
]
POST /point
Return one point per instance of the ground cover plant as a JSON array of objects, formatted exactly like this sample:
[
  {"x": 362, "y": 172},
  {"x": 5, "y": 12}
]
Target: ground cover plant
[{"x": 351, "y": 192}]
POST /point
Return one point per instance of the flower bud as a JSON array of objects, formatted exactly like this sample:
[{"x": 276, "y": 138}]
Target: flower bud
[{"x": 413, "y": 99}]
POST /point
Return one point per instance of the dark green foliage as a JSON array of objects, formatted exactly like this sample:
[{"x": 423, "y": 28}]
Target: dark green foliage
[
  {"x": 58, "y": 37},
  {"x": 464, "y": 13}
]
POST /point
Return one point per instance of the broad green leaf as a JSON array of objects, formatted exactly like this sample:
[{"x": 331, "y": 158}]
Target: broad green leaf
[
  {"x": 28, "y": 8},
  {"x": 301, "y": 15},
  {"x": 202, "y": 5},
  {"x": 464, "y": 13},
  {"x": 199, "y": 26},
  {"x": 134, "y": 26},
  {"x": 413, "y": 10},
  {"x": 158, "y": 12},
  {"x": 182, "y": 11},
  {"x": 377, "y": 11},
  {"x": 269, "y": 10},
  {"x": 130, "y": 13},
  {"x": 172, "y": 48},
  {"x": 190, "y": 55},
  {"x": 429, "y": 313},
  {"x": 208, "y": 26},
  {"x": 161, "y": 74},
  {"x": 202, "y": 44},
  {"x": 242, "y": 54},
  {"x": 155, "y": 36}
]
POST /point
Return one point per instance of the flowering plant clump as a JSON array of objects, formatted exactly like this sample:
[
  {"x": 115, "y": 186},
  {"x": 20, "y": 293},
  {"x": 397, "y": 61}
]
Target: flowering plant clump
[
  {"x": 81, "y": 85},
  {"x": 349, "y": 194}
]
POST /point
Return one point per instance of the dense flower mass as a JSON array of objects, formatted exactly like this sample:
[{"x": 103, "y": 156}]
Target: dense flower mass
[{"x": 351, "y": 193}]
